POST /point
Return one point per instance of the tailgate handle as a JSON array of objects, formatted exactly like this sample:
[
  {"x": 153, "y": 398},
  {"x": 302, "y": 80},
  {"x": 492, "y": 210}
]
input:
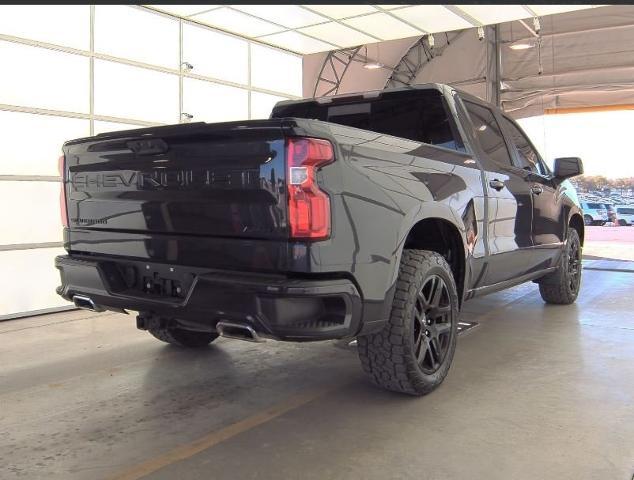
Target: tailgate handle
[{"x": 150, "y": 146}]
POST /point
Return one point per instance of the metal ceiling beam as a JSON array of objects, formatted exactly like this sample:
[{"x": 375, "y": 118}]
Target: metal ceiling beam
[
  {"x": 464, "y": 15},
  {"x": 415, "y": 59},
  {"x": 532, "y": 32},
  {"x": 332, "y": 71}
]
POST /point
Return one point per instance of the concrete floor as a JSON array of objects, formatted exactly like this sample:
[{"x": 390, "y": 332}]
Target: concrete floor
[{"x": 535, "y": 392}]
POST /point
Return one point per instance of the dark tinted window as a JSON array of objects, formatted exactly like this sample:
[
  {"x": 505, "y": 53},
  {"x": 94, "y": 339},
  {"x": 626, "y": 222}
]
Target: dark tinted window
[
  {"x": 596, "y": 206},
  {"x": 528, "y": 157},
  {"x": 419, "y": 115},
  {"x": 489, "y": 134},
  {"x": 625, "y": 211}
]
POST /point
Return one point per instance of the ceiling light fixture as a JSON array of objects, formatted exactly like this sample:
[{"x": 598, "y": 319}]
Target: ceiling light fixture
[
  {"x": 372, "y": 64},
  {"x": 521, "y": 46}
]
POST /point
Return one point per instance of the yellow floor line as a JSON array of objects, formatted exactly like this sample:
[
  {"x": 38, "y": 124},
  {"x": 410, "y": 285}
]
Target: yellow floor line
[{"x": 214, "y": 438}]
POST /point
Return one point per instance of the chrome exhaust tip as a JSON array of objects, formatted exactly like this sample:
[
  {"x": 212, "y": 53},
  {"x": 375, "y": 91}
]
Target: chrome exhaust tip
[
  {"x": 82, "y": 301},
  {"x": 238, "y": 331}
]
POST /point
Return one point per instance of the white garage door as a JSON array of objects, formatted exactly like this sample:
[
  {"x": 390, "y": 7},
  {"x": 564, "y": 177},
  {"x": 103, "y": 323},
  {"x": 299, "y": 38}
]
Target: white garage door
[{"x": 74, "y": 71}]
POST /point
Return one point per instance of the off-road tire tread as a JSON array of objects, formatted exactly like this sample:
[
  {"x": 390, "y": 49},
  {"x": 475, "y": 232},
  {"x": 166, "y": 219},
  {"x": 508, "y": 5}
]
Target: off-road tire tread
[
  {"x": 555, "y": 291},
  {"x": 386, "y": 356}
]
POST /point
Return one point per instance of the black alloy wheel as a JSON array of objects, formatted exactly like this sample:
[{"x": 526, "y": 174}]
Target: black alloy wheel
[
  {"x": 562, "y": 286},
  {"x": 574, "y": 266},
  {"x": 413, "y": 351},
  {"x": 432, "y": 324}
]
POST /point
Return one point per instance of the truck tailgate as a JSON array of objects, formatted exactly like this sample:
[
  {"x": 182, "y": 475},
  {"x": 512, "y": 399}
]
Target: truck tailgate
[{"x": 219, "y": 180}]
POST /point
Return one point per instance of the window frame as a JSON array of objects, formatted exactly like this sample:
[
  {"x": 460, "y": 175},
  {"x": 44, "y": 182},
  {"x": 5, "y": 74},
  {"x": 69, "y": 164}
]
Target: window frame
[
  {"x": 547, "y": 173},
  {"x": 511, "y": 164}
]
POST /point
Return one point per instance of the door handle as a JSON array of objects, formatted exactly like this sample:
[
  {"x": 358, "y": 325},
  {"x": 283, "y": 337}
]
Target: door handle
[
  {"x": 536, "y": 189},
  {"x": 496, "y": 184}
]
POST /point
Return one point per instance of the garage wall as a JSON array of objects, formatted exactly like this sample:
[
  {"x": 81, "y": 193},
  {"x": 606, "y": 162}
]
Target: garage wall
[{"x": 74, "y": 71}]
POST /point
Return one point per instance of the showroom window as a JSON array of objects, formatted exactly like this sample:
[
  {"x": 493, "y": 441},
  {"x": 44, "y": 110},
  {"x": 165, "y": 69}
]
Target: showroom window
[{"x": 98, "y": 69}]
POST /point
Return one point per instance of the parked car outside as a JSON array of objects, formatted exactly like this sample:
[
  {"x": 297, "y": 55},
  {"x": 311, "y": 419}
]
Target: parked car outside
[
  {"x": 612, "y": 215},
  {"x": 594, "y": 213},
  {"x": 626, "y": 214}
]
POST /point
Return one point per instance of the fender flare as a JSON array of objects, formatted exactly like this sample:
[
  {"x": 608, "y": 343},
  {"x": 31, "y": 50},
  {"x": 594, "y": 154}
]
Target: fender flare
[{"x": 425, "y": 211}]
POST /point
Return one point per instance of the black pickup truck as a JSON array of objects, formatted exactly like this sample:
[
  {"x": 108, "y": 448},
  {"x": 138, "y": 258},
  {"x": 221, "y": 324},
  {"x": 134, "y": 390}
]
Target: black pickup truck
[{"x": 370, "y": 215}]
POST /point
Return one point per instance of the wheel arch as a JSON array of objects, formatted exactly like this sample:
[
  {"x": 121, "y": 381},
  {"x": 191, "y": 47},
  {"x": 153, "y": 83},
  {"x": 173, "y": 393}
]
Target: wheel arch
[
  {"x": 576, "y": 222},
  {"x": 439, "y": 234}
]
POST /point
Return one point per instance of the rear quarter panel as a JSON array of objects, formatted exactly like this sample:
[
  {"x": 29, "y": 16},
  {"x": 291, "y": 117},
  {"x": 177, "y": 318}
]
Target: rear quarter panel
[{"x": 381, "y": 186}]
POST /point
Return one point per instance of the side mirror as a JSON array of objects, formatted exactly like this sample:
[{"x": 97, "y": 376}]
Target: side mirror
[{"x": 567, "y": 167}]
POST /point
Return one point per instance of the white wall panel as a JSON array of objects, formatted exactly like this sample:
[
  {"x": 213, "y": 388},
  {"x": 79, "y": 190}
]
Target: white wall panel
[
  {"x": 103, "y": 127},
  {"x": 216, "y": 55},
  {"x": 275, "y": 70},
  {"x": 128, "y": 32},
  {"x": 66, "y": 25},
  {"x": 136, "y": 93},
  {"x": 28, "y": 280},
  {"x": 262, "y": 104},
  {"x": 212, "y": 102},
  {"x": 20, "y": 155},
  {"x": 34, "y": 214},
  {"x": 42, "y": 78}
]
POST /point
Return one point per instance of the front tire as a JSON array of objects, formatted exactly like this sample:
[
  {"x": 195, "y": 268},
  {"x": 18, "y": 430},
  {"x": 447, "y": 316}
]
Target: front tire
[
  {"x": 562, "y": 286},
  {"x": 413, "y": 352},
  {"x": 183, "y": 338},
  {"x": 587, "y": 220}
]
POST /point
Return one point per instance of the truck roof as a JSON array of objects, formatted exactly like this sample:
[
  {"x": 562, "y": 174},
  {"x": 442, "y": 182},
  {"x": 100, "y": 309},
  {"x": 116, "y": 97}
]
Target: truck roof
[
  {"x": 441, "y": 87},
  {"x": 367, "y": 94}
]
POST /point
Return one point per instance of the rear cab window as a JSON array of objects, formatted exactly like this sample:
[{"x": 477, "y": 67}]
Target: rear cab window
[{"x": 421, "y": 115}]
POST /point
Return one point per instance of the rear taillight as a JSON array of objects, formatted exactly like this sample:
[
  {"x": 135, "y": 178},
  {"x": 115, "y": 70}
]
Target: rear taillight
[
  {"x": 308, "y": 205},
  {"x": 62, "y": 191}
]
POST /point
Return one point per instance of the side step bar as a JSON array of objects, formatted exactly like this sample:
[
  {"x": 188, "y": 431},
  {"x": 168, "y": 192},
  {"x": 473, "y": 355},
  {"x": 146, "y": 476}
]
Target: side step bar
[{"x": 239, "y": 331}]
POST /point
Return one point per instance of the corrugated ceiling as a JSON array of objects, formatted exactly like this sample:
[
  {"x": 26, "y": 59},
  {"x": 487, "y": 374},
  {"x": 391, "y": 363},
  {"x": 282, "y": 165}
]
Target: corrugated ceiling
[{"x": 308, "y": 29}]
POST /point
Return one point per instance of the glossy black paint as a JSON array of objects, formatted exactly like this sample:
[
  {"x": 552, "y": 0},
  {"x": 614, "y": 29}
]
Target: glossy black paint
[
  {"x": 212, "y": 199},
  {"x": 219, "y": 180}
]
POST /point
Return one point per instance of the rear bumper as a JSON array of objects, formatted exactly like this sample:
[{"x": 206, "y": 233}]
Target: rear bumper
[{"x": 276, "y": 306}]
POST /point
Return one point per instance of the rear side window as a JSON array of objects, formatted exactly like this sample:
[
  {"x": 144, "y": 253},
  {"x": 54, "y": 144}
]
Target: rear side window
[
  {"x": 625, "y": 211},
  {"x": 489, "y": 133},
  {"x": 528, "y": 157},
  {"x": 596, "y": 206},
  {"x": 419, "y": 115}
]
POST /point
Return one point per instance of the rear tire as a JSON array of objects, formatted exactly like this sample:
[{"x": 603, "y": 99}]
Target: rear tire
[
  {"x": 413, "y": 352},
  {"x": 562, "y": 287},
  {"x": 623, "y": 223},
  {"x": 183, "y": 338}
]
